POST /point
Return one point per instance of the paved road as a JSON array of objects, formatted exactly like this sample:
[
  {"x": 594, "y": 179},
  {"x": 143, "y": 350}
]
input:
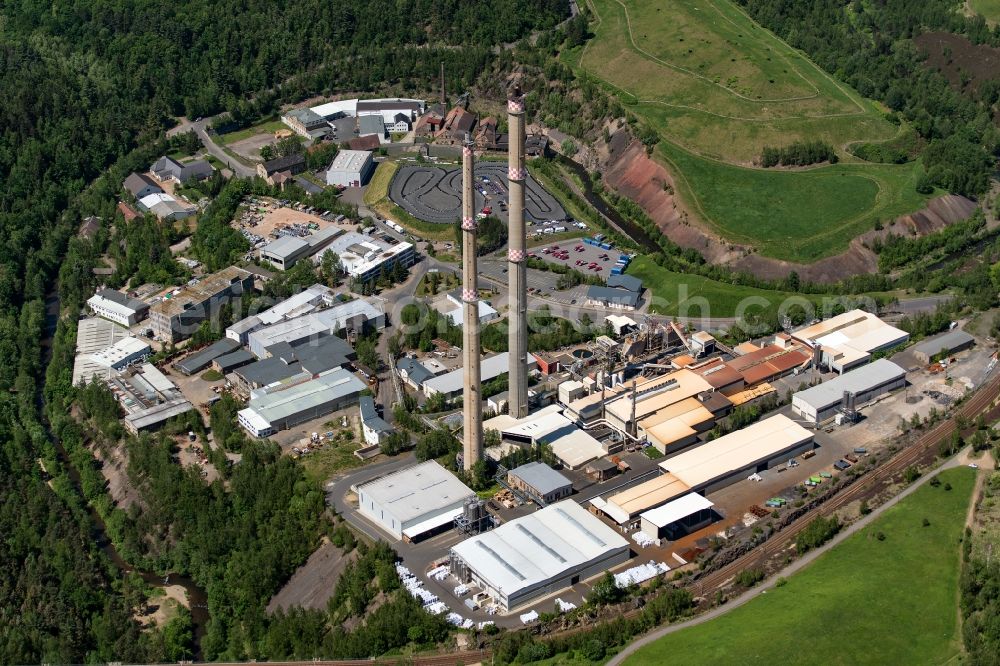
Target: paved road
[
  {"x": 797, "y": 565},
  {"x": 922, "y": 304},
  {"x": 200, "y": 127}
]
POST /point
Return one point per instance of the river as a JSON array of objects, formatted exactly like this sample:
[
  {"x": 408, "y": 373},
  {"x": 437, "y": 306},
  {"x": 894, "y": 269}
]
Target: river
[{"x": 197, "y": 599}]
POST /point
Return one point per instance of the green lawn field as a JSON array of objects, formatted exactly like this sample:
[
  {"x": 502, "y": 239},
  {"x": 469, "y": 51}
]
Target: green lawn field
[
  {"x": 719, "y": 83},
  {"x": 683, "y": 294},
  {"x": 718, "y": 88},
  {"x": 793, "y": 215},
  {"x": 867, "y": 601},
  {"x": 988, "y": 8}
]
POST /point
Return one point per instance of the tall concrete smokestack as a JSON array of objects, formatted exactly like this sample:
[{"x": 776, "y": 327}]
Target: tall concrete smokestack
[
  {"x": 518, "y": 297},
  {"x": 472, "y": 399}
]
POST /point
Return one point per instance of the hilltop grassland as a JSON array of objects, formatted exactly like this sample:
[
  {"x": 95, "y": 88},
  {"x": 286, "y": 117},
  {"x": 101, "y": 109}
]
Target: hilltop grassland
[
  {"x": 717, "y": 88},
  {"x": 712, "y": 80}
]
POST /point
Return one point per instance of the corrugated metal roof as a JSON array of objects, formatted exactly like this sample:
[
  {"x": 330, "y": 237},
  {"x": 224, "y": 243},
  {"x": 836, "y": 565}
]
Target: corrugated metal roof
[
  {"x": 860, "y": 380},
  {"x": 542, "y": 478},
  {"x": 721, "y": 457},
  {"x": 273, "y": 407},
  {"x": 203, "y": 358},
  {"x": 417, "y": 491},
  {"x": 528, "y": 551},
  {"x": 950, "y": 340}
]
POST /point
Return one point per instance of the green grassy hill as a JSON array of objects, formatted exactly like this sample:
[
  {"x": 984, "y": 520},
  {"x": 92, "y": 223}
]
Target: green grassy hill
[
  {"x": 718, "y": 88},
  {"x": 867, "y": 601},
  {"x": 718, "y": 83},
  {"x": 988, "y": 8}
]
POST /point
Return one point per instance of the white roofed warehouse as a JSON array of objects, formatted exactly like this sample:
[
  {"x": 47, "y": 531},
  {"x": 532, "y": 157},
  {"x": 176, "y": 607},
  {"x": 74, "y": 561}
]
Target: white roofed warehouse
[
  {"x": 538, "y": 554},
  {"x": 350, "y": 168},
  {"x": 414, "y": 501},
  {"x": 678, "y": 518},
  {"x": 849, "y": 391},
  {"x": 279, "y": 407}
]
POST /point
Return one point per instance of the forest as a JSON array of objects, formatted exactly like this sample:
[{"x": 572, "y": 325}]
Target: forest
[
  {"x": 88, "y": 90},
  {"x": 870, "y": 46}
]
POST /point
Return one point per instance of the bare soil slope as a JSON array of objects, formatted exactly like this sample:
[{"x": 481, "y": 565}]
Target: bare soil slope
[{"x": 632, "y": 173}]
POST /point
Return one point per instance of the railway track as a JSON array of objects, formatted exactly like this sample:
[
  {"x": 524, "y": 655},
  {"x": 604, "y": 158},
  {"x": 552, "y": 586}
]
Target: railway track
[
  {"x": 448, "y": 659},
  {"x": 928, "y": 442}
]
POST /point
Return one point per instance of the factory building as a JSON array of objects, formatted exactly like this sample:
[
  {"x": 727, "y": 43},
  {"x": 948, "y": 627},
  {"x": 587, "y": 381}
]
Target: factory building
[
  {"x": 572, "y": 446},
  {"x": 607, "y": 297},
  {"x": 148, "y": 398},
  {"x": 166, "y": 207},
  {"x": 351, "y": 168},
  {"x": 365, "y": 257},
  {"x": 359, "y": 315},
  {"x": 279, "y": 408},
  {"x": 304, "y": 302},
  {"x": 413, "y": 372},
  {"x": 711, "y": 466},
  {"x": 228, "y": 362},
  {"x": 951, "y": 342},
  {"x": 118, "y": 307},
  {"x": 450, "y": 384},
  {"x": 287, "y": 364},
  {"x": 122, "y": 354},
  {"x": 538, "y": 554},
  {"x": 414, "y": 502},
  {"x": 200, "y": 360},
  {"x": 848, "y": 340},
  {"x": 179, "y": 313},
  {"x": 284, "y": 252},
  {"x": 771, "y": 362},
  {"x": 306, "y": 123},
  {"x": 540, "y": 482},
  {"x": 678, "y": 518},
  {"x": 92, "y": 336},
  {"x": 848, "y": 392}
]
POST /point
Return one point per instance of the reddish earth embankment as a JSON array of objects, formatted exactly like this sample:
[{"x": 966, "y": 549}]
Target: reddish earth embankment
[{"x": 632, "y": 173}]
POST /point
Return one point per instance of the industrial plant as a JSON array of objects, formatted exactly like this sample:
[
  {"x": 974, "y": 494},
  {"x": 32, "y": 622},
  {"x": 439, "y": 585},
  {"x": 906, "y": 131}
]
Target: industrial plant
[{"x": 617, "y": 454}]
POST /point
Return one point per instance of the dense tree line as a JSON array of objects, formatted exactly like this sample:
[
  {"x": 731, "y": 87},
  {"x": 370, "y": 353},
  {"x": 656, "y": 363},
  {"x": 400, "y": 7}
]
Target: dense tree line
[
  {"x": 420, "y": 325},
  {"x": 491, "y": 235},
  {"x": 895, "y": 251},
  {"x": 870, "y": 47},
  {"x": 980, "y": 594},
  {"x": 545, "y": 333},
  {"x": 799, "y": 153}
]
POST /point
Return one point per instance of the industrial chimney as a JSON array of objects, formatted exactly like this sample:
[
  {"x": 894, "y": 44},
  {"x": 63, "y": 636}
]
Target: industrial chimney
[
  {"x": 518, "y": 297},
  {"x": 472, "y": 400}
]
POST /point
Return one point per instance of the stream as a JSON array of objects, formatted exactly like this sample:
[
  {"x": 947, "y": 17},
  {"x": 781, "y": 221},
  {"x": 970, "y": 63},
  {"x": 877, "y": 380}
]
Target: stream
[
  {"x": 197, "y": 599},
  {"x": 627, "y": 227}
]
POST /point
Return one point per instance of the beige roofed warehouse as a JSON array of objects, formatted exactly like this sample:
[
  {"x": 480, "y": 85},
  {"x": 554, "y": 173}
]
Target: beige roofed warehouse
[
  {"x": 849, "y": 339},
  {"x": 712, "y": 466}
]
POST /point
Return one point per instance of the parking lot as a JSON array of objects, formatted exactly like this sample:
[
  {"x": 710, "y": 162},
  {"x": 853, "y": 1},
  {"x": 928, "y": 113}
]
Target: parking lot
[
  {"x": 539, "y": 282},
  {"x": 588, "y": 259}
]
